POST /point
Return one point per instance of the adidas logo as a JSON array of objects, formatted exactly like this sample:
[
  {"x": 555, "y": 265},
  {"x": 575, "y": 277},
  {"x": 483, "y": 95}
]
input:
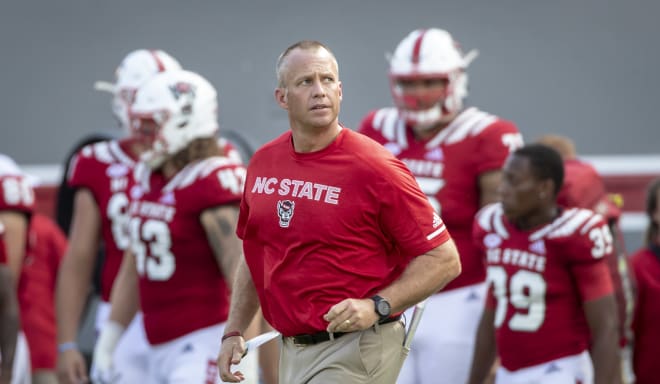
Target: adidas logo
[
  {"x": 434, "y": 154},
  {"x": 538, "y": 247},
  {"x": 436, "y": 220},
  {"x": 168, "y": 198}
]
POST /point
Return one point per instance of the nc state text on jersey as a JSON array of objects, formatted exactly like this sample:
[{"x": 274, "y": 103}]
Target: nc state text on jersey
[
  {"x": 297, "y": 188},
  {"x": 152, "y": 210},
  {"x": 516, "y": 257}
]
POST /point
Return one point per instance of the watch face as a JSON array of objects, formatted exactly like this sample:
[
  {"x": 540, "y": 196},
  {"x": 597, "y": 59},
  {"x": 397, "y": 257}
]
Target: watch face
[{"x": 383, "y": 308}]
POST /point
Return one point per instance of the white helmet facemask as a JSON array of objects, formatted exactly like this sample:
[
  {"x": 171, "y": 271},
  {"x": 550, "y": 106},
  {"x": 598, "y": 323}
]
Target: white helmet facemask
[
  {"x": 426, "y": 55},
  {"x": 136, "y": 68},
  {"x": 183, "y": 107}
]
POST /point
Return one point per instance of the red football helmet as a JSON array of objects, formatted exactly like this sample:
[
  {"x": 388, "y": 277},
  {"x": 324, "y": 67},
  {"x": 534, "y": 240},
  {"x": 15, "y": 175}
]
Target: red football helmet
[{"x": 428, "y": 55}]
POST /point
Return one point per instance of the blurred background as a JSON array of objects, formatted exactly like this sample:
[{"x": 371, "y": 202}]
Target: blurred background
[{"x": 584, "y": 69}]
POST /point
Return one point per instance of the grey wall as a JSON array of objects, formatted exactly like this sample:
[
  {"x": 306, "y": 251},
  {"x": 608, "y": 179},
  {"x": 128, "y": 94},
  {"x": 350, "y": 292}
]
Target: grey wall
[{"x": 588, "y": 69}]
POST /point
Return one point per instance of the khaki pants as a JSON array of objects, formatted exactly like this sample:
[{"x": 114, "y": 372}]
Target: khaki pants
[{"x": 371, "y": 356}]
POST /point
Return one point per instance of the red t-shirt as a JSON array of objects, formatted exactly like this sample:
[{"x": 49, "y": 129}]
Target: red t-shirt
[
  {"x": 447, "y": 167},
  {"x": 104, "y": 168},
  {"x": 646, "y": 266},
  {"x": 321, "y": 227},
  {"x": 182, "y": 288},
  {"x": 539, "y": 280}
]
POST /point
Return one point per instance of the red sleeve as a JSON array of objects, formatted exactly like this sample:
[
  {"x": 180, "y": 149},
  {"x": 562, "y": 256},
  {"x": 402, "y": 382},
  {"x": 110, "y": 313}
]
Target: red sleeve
[
  {"x": 495, "y": 143},
  {"x": 407, "y": 215},
  {"x": 16, "y": 194},
  {"x": 84, "y": 169},
  {"x": 588, "y": 258},
  {"x": 223, "y": 185}
]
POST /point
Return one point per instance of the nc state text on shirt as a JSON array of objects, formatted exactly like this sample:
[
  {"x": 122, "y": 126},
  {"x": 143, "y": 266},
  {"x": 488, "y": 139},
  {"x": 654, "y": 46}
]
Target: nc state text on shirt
[{"x": 297, "y": 188}]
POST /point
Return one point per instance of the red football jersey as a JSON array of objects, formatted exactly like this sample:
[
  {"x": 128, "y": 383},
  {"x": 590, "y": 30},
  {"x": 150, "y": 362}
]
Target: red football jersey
[
  {"x": 538, "y": 280},
  {"x": 182, "y": 288},
  {"x": 447, "y": 167},
  {"x": 646, "y": 266},
  {"x": 36, "y": 290},
  {"x": 104, "y": 168},
  {"x": 16, "y": 193},
  {"x": 325, "y": 226}
]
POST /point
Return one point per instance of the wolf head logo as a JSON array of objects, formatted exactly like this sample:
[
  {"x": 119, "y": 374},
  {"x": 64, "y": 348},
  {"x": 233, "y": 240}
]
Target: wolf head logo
[{"x": 285, "y": 212}]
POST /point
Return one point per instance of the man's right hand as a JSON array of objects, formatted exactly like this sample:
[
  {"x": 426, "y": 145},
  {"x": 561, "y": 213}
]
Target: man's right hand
[
  {"x": 72, "y": 368},
  {"x": 232, "y": 351}
]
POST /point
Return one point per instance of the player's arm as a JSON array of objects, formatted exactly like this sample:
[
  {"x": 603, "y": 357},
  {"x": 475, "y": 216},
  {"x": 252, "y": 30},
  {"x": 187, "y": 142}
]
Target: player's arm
[
  {"x": 75, "y": 273},
  {"x": 9, "y": 323},
  {"x": 244, "y": 305},
  {"x": 124, "y": 297},
  {"x": 220, "y": 226},
  {"x": 484, "y": 349},
  {"x": 73, "y": 283},
  {"x": 424, "y": 275},
  {"x": 124, "y": 305},
  {"x": 16, "y": 227},
  {"x": 488, "y": 183},
  {"x": 602, "y": 317}
]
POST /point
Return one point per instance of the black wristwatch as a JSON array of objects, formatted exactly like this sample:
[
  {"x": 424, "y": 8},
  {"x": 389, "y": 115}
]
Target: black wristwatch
[{"x": 382, "y": 307}]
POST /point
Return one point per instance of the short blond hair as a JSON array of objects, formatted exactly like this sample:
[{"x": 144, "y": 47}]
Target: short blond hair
[{"x": 304, "y": 45}]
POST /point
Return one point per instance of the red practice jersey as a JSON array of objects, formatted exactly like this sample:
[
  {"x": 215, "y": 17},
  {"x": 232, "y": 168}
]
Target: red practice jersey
[
  {"x": 182, "y": 288},
  {"x": 45, "y": 245},
  {"x": 538, "y": 281},
  {"x": 447, "y": 168},
  {"x": 329, "y": 225},
  {"x": 36, "y": 291},
  {"x": 104, "y": 169},
  {"x": 646, "y": 266}
]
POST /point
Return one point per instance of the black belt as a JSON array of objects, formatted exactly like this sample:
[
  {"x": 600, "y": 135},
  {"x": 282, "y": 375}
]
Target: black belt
[{"x": 319, "y": 337}]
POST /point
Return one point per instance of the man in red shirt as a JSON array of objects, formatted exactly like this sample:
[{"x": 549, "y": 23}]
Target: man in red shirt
[
  {"x": 646, "y": 266},
  {"x": 550, "y": 311},
  {"x": 337, "y": 236},
  {"x": 455, "y": 154}
]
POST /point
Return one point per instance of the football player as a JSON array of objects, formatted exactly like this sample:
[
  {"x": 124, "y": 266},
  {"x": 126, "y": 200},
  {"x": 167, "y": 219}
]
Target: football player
[
  {"x": 455, "y": 153},
  {"x": 550, "y": 310},
  {"x": 100, "y": 173},
  {"x": 183, "y": 248},
  {"x": 584, "y": 188},
  {"x": 44, "y": 246}
]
